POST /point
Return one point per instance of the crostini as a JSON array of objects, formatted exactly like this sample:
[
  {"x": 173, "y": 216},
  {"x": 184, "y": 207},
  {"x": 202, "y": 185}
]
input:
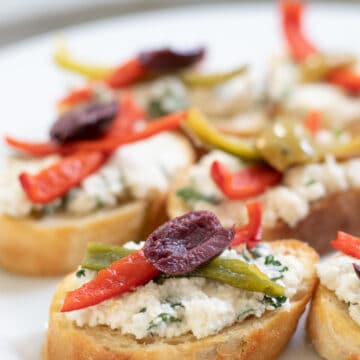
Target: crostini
[
  {"x": 309, "y": 78},
  {"x": 334, "y": 319},
  {"x": 194, "y": 290},
  {"x": 110, "y": 189}
]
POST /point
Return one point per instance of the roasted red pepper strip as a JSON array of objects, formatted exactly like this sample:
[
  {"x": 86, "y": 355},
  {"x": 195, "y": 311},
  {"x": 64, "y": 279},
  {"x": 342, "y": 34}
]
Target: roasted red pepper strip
[
  {"x": 76, "y": 97},
  {"x": 251, "y": 232},
  {"x": 56, "y": 180},
  {"x": 130, "y": 113},
  {"x": 348, "y": 244},
  {"x": 346, "y": 78},
  {"x": 127, "y": 74},
  {"x": 121, "y": 276},
  {"x": 299, "y": 47},
  {"x": 313, "y": 122},
  {"x": 35, "y": 149},
  {"x": 165, "y": 123},
  {"x": 245, "y": 183}
]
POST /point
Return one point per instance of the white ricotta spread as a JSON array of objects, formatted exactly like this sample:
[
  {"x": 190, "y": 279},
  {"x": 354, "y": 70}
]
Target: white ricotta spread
[
  {"x": 137, "y": 170},
  {"x": 337, "y": 274},
  {"x": 338, "y": 109},
  {"x": 181, "y": 305},
  {"x": 289, "y": 201}
]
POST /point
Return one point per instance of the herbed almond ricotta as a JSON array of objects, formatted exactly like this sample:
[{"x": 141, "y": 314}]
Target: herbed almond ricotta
[
  {"x": 337, "y": 274},
  {"x": 284, "y": 86},
  {"x": 196, "y": 305},
  {"x": 289, "y": 202},
  {"x": 134, "y": 171}
]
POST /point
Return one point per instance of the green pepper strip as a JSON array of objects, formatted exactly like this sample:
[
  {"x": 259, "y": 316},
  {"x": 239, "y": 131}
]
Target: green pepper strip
[
  {"x": 233, "y": 272},
  {"x": 195, "y": 79},
  {"x": 197, "y": 124},
  {"x": 95, "y": 72}
]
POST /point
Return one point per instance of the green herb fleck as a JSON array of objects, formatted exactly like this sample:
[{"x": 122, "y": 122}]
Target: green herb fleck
[
  {"x": 142, "y": 310},
  {"x": 338, "y": 133},
  {"x": 243, "y": 315},
  {"x": 163, "y": 317},
  {"x": 80, "y": 273},
  {"x": 285, "y": 268},
  {"x": 190, "y": 194},
  {"x": 275, "y": 302},
  {"x": 177, "y": 304},
  {"x": 270, "y": 260},
  {"x": 277, "y": 278},
  {"x": 311, "y": 182}
]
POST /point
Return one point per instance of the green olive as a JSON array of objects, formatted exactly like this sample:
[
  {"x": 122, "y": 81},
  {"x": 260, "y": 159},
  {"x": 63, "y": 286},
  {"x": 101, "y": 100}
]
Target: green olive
[
  {"x": 286, "y": 142},
  {"x": 317, "y": 66}
]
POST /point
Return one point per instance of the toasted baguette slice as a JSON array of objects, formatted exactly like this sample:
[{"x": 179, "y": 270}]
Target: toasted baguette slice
[
  {"x": 55, "y": 244},
  {"x": 253, "y": 339},
  {"x": 340, "y": 211},
  {"x": 334, "y": 334}
]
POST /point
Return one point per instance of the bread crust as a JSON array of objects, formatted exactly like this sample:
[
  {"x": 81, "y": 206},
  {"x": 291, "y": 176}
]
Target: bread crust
[
  {"x": 253, "y": 339},
  {"x": 340, "y": 211},
  {"x": 55, "y": 244},
  {"x": 334, "y": 334}
]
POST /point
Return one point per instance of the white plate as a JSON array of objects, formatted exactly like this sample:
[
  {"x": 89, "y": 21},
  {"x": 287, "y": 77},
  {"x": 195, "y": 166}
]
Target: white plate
[{"x": 30, "y": 85}]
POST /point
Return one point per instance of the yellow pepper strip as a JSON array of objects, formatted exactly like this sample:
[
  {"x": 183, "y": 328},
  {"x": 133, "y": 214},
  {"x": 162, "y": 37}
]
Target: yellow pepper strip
[
  {"x": 94, "y": 72},
  {"x": 197, "y": 124},
  {"x": 194, "y": 79},
  {"x": 344, "y": 151}
]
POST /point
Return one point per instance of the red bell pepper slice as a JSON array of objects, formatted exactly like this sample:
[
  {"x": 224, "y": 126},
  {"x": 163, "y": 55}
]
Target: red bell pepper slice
[
  {"x": 56, "y": 180},
  {"x": 127, "y": 74},
  {"x": 107, "y": 144},
  {"x": 77, "y": 96},
  {"x": 348, "y": 244},
  {"x": 245, "y": 183},
  {"x": 346, "y": 78},
  {"x": 120, "y": 277},
  {"x": 299, "y": 46},
  {"x": 130, "y": 113},
  {"x": 35, "y": 149},
  {"x": 251, "y": 232},
  {"x": 313, "y": 122}
]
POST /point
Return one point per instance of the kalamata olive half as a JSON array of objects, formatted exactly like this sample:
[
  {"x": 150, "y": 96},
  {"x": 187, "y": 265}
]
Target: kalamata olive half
[
  {"x": 183, "y": 244},
  {"x": 357, "y": 269},
  {"x": 170, "y": 60},
  {"x": 88, "y": 122}
]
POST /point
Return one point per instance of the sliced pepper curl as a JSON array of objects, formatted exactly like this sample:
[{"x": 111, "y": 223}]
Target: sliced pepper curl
[
  {"x": 65, "y": 60},
  {"x": 56, "y": 180},
  {"x": 200, "y": 127},
  {"x": 195, "y": 79},
  {"x": 246, "y": 183},
  {"x": 347, "y": 244},
  {"x": 250, "y": 233}
]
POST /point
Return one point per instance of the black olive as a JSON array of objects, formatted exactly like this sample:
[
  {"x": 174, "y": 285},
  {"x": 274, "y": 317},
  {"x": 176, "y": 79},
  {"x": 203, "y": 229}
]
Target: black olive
[
  {"x": 170, "y": 60},
  {"x": 88, "y": 122},
  {"x": 183, "y": 244}
]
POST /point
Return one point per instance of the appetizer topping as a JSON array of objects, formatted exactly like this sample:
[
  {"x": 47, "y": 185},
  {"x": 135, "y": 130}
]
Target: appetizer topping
[
  {"x": 88, "y": 122},
  {"x": 336, "y": 72},
  {"x": 313, "y": 122},
  {"x": 250, "y": 233},
  {"x": 183, "y": 244},
  {"x": 289, "y": 201},
  {"x": 190, "y": 194},
  {"x": 348, "y": 244},
  {"x": 245, "y": 183},
  {"x": 200, "y": 127},
  {"x": 337, "y": 274},
  {"x": 196, "y": 79},
  {"x": 202, "y": 302},
  {"x": 56, "y": 180},
  {"x": 286, "y": 143},
  {"x": 76, "y": 97},
  {"x": 170, "y": 60}
]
